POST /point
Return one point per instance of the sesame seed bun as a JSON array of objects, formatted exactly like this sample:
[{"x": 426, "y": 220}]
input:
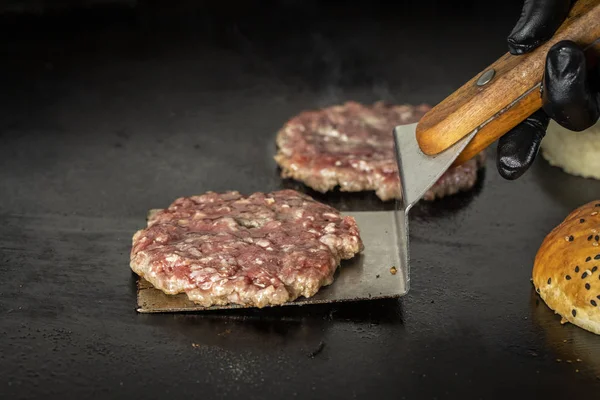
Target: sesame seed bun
[
  {"x": 566, "y": 271},
  {"x": 577, "y": 153}
]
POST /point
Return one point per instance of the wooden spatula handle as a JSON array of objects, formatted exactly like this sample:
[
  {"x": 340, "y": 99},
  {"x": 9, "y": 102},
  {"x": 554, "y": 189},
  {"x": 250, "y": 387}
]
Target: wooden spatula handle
[{"x": 508, "y": 98}]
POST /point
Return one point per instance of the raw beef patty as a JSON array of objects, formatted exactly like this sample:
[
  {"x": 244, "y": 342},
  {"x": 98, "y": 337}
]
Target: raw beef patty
[{"x": 257, "y": 250}]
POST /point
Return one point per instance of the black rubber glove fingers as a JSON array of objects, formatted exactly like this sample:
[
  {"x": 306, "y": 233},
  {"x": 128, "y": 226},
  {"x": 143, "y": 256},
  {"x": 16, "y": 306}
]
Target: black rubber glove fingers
[
  {"x": 538, "y": 22},
  {"x": 567, "y": 91},
  {"x": 570, "y": 97},
  {"x": 518, "y": 148}
]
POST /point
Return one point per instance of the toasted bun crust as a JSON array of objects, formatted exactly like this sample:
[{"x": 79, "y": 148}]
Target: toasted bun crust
[{"x": 566, "y": 271}]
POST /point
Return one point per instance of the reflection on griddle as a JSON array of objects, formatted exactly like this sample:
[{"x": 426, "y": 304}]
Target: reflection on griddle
[
  {"x": 304, "y": 326},
  {"x": 569, "y": 343}
]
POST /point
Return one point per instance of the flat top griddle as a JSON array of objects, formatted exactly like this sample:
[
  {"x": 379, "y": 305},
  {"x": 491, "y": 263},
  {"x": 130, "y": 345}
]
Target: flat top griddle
[{"x": 123, "y": 110}]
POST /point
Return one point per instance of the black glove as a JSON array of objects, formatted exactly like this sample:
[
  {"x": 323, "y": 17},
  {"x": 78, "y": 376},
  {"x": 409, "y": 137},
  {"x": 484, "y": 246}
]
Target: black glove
[{"x": 570, "y": 91}]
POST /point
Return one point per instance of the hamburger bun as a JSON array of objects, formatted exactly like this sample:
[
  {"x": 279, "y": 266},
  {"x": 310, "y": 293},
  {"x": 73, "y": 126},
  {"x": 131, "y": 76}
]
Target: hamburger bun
[
  {"x": 577, "y": 153},
  {"x": 566, "y": 270}
]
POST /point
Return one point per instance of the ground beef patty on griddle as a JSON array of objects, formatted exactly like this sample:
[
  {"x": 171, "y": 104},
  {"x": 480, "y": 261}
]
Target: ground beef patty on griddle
[
  {"x": 257, "y": 250},
  {"x": 352, "y": 146}
]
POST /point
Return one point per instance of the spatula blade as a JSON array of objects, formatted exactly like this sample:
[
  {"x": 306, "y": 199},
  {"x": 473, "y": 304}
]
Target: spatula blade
[{"x": 419, "y": 171}]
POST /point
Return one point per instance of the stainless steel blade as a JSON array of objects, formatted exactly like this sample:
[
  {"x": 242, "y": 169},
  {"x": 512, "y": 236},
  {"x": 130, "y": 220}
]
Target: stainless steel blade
[{"x": 418, "y": 173}]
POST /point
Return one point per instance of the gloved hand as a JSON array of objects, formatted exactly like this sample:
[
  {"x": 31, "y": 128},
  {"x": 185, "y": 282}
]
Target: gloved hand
[{"x": 570, "y": 90}]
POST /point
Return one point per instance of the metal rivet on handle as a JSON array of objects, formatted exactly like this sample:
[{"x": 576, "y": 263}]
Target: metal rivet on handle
[{"x": 486, "y": 77}]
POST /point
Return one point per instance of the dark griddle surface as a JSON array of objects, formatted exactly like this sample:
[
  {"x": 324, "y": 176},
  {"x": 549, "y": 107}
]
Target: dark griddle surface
[{"x": 106, "y": 114}]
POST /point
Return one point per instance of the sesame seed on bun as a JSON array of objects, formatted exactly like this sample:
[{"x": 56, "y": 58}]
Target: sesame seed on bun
[{"x": 566, "y": 270}]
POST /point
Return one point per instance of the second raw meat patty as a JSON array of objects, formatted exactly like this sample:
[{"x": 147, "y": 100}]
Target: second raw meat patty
[{"x": 351, "y": 146}]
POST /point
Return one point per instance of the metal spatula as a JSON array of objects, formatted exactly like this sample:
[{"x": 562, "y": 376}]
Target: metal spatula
[{"x": 454, "y": 131}]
